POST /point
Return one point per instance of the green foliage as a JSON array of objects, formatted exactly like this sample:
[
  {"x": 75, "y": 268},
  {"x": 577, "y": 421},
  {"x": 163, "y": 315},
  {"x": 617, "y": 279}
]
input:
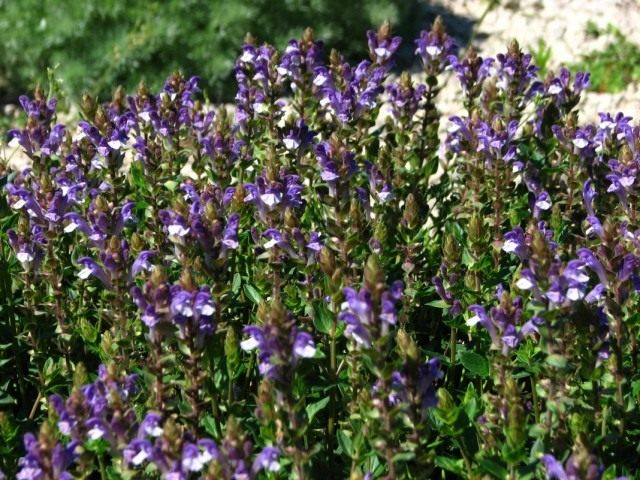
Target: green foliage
[
  {"x": 614, "y": 67},
  {"x": 541, "y": 56},
  {"x": 100, "y": 43}
]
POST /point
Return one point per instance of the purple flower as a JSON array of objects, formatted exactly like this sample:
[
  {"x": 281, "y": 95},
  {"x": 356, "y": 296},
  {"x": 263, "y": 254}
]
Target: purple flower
[
  {"x": 541, "y": 203},
  {"x": 553, "y": 467},
  {"x": 359, "y": 313},
  {"x": 196, "y": 456},
  {"x": 381, "y": 45},
  {"x": 151, "y": 426},
  {"x": 516, "y": 75},
  {"x": 594, "y": 264},
  {"x": 514, "y": 242},
  {"x": 472, "y": 71},
  {"x": 92, "y": 268},
  {"x": 281, "y": 345},
  {"x": 504, "y": 322},
  {"x": 428, "y": 374},
  {"x": 40, "y": 457},
  {"x": 138, "y": 452},
  {"x": 267, "y": 459},
  {"x": 304, "y": 346},
  {"x": 435, "y": 48},
  {"x": 142, "y": 263},
  {"x": 404, "y": 98},
  {"x": 559, "y": 88},
  {"x": 299, "y": 137},
  {"x": 230, "y": 234},
  {"x": 588, "y": 194},
  {"x": 52, "y": 144},
  {"x": 315, "y": 243}
]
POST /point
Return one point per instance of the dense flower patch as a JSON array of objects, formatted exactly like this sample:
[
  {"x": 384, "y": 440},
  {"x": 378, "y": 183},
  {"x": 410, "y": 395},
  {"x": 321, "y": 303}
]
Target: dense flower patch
[{"x": 320, "y": 286}]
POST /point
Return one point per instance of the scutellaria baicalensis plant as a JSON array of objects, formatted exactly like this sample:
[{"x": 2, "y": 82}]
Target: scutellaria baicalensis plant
[{"x": 330, "y": 280}]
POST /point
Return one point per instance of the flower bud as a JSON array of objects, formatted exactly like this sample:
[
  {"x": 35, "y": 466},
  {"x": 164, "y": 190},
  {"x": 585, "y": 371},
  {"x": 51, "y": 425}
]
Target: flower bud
[
  {"x": 100, "y": 119},
  {"x": 38, "y": 93},
  {"x": 451, "y": 250},
  {"x": 327, "y": 261},
  {"x": 137, "y": 242},
  {"x": 186, "y": 280},
  {"x": 290, "y": 219},
  {"x": 445, "y": 400},
  {"x": 626, "y": 155},
  {"x": 355, "y": 214},
  {"x": 336, "y": 278},
  {"x": 476, "y": 230},
  {"x": 102, "y": 205},
  {"x": 515, "y": 429},
  {"x": 264, "y": 401},
  {"x": 88, "y": 106},
  {"x": 143, "y": 90},
  {"x": 307, "y": 35},
  {"x": 114, "y": 244},
  {"x": 373, "y": 274},
  {"x": 158, "y": 276},
  {"x": 106, "y": 343},
  {"x": 381, "y": 232},
  {"x": 249, "y": 39},
  {"x": 410, "y": 211},
  {"x": 472, "y": 280},
  {"x": 119, "y": 97},
  {"x": 335, "y": 59},
  {"x": 407, "y": 346},
  {"x": 80, "y": 375}
]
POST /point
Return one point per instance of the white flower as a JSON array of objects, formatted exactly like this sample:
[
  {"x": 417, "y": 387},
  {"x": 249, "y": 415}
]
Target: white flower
[
  {"x": 524, "y": 284},
  {"x": 473, "y": 321},
  {"x": 24, "y": 257},
  {"x": 249, "y": 344},
  {"x": 580, "y": 142}
]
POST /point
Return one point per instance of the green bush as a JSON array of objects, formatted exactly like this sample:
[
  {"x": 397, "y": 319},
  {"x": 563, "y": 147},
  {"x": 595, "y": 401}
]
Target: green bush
[{"x": 99, "y": 43}]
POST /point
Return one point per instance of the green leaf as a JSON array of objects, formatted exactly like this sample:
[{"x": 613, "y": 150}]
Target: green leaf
[
  {"x": 99, "y": 446},
  {"x": 438, "y": 304},
  {"x": 209, "y": 424},
  {"x": 404, "y": 456},
  {"x": 88, "y": 331},
  {"x": 450, "y": 465},
  {"x": 252, "y": 294},
  {"x": 313, "y": 408},
  {"x": 493, "y": 468},
  {"x": 137, "y": 176},
  {"x": 557, "y": 361},
  {"x": 475, "y": 363},
  {"x": 171, "y": 185},
  {"x": 232, "y": 353},
  {"x": 344, "y": 441},
  {"x": 237, "y": 282},
  {"x": 322, "y": 318}
]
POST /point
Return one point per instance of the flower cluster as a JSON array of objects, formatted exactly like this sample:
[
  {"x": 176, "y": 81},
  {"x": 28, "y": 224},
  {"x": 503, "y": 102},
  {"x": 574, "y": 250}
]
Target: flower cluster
[
  {"x": 315, "y": 267},
  {"x": 367, "y": 319}
]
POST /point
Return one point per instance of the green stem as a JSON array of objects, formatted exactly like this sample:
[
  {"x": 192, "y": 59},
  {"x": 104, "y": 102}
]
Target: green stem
[
  {"x": 534, "y": 397},
  {"x": 103, "y": 470}
]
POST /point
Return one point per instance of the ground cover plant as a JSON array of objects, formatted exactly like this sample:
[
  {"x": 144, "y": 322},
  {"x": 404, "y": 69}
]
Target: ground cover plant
[
  {"x": 318, "y": 284},
  {"x": 616, "y": 65}
]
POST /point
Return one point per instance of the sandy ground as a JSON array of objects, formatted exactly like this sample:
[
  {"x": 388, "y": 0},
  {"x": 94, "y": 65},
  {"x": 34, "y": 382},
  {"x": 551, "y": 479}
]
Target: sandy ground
[{"x": 562, "y": 25}]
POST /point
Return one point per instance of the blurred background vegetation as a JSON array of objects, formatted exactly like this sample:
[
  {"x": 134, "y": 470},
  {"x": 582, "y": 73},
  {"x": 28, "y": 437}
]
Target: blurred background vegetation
[{"x": 98, "y": 44}]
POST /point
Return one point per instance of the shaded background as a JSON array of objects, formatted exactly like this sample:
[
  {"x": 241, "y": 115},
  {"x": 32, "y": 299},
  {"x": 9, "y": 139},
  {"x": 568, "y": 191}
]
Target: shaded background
[{"x": 99, "y": 44}]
